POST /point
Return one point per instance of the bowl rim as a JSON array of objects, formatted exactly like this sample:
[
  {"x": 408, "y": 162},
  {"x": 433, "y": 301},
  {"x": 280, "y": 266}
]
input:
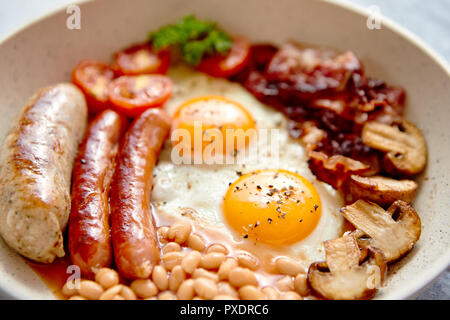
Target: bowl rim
[{"x": 413, "y": 288}]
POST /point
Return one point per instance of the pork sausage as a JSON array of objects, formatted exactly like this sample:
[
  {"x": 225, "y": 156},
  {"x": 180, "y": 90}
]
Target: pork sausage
[
  {"x": 132, "y": 226},
  {"x": 36, "y": 163},
  {"x": 89, "y": 232}
]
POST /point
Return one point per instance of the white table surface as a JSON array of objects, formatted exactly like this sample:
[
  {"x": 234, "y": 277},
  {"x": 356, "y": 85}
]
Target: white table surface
[{"x": 427, "y": 19}]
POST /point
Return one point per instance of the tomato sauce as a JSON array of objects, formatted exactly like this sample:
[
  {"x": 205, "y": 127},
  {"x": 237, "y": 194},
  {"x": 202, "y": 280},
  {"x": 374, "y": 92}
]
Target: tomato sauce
[{"x": 54, "y": 275}]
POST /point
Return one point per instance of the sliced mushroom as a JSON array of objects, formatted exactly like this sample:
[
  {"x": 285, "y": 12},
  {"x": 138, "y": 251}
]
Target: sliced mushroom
[
  {"x": 405, "y": 147},
  {"x": 381, "y": 190},
  {"x": 394, "y": 231},
  {"x": 344, "y": 276}
]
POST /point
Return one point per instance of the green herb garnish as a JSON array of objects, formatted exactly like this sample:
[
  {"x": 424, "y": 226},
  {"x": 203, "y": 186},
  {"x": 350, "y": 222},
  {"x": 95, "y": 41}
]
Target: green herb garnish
[{"x": 193, "y": 37}]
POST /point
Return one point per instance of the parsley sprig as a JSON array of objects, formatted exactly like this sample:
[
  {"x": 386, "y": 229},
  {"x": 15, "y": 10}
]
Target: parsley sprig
[{"x": 193, "y": 37}]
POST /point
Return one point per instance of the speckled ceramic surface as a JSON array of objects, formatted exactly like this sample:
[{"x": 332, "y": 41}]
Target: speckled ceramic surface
[{"x": 45, "y": 52}]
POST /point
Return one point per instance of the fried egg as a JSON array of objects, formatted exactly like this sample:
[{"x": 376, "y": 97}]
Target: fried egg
[{"x": 266, "y": 202}]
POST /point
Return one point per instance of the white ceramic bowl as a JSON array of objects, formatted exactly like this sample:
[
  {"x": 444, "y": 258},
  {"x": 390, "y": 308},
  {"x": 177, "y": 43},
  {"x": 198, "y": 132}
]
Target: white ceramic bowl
[{"x": 45, "y": 52}]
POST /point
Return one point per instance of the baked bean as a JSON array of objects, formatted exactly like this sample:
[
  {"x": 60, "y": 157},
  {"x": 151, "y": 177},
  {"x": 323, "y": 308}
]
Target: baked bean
[
  {"x": 159, "y": 277},
  {"x": 239, "y": 277},
  {"x": 286, "y": 283},
  {"x": 301, "y": 284},
  {"x": 249, "y": 292},
  {"x": 162, "y": 232},
  {"x": 76, "y": 297},
  {"x": 90, "y": 289},
  {"x": 179, "y": 231},
  {"x": 205, "y": 288},
  {"x": 196, "y": 242},
  {"x": 270, "y": 293},
  {"x": 225, "y": 268},
  {"x": 170, "y": 247},
  {"x": 172, "y": 259},
  {"x": 217, "y": 247},
  {"x": 107, "y": 277},
  {"x": 202, "y": 273},
  {"x": 127, "y": 293},
  {"x": 224, "y": 297},
  {"x": 191, "y": 261},
  {"x": 167, "y": 295},
  {"x": 248, "y": 261},
  {"x": 69, "y": 289},
  {"x": 226, "y": 289},
  {"x": 118, "y": 297},
  {"x": 110, "y": 293},
  {"x": 212, "y": 260},
  {"x": 177, "y": 276},
  {"x": 291, "y": 295},
  {"x": 288, "y": 266},
  {"x": 186, "y": 290},
  {"x": 197, "y": 298},
  {"x": 144, "y": 288}
]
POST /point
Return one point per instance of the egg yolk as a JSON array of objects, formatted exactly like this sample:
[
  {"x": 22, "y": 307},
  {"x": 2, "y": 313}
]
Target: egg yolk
[
  {"x": 212, "y": 125},
  {"x": 276, "y": 207}
]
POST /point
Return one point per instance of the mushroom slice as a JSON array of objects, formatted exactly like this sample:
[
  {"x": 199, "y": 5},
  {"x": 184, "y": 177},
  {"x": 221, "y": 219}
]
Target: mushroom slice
[
  {"x": 381, "y": 190},
  {"x": 405, "y": 147},
  {"x": 344, "y": 276},
  {"x": 394, "y": 231}
]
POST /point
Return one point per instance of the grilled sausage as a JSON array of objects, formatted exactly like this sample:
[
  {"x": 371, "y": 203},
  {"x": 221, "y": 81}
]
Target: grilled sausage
[
  {"x": 36, "y": 163},
  {"x": 89, "y": 236},
  {"x": 132, "y": 226}
]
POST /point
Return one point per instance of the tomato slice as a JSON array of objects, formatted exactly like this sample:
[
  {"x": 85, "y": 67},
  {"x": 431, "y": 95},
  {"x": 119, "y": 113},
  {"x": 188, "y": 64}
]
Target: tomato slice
[
  {"x": 225, "y": 66},
  {"x": 132, "y": 95},
  {"x": 93, "y": 78},
  {"x": 141, "y": 59}
]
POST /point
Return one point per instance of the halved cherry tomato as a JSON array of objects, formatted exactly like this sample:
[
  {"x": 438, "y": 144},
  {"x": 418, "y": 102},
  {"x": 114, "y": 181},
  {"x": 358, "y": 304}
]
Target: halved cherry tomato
[
  {"x": 93, "y": 78},
  {"x": 230, "y": 64},
  {"x": 140, "y": 59},
  {"x": 132, "y": 95}
]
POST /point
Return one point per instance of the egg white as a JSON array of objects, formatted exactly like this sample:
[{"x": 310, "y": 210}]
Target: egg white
[{"x": 202, "y": 187}]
